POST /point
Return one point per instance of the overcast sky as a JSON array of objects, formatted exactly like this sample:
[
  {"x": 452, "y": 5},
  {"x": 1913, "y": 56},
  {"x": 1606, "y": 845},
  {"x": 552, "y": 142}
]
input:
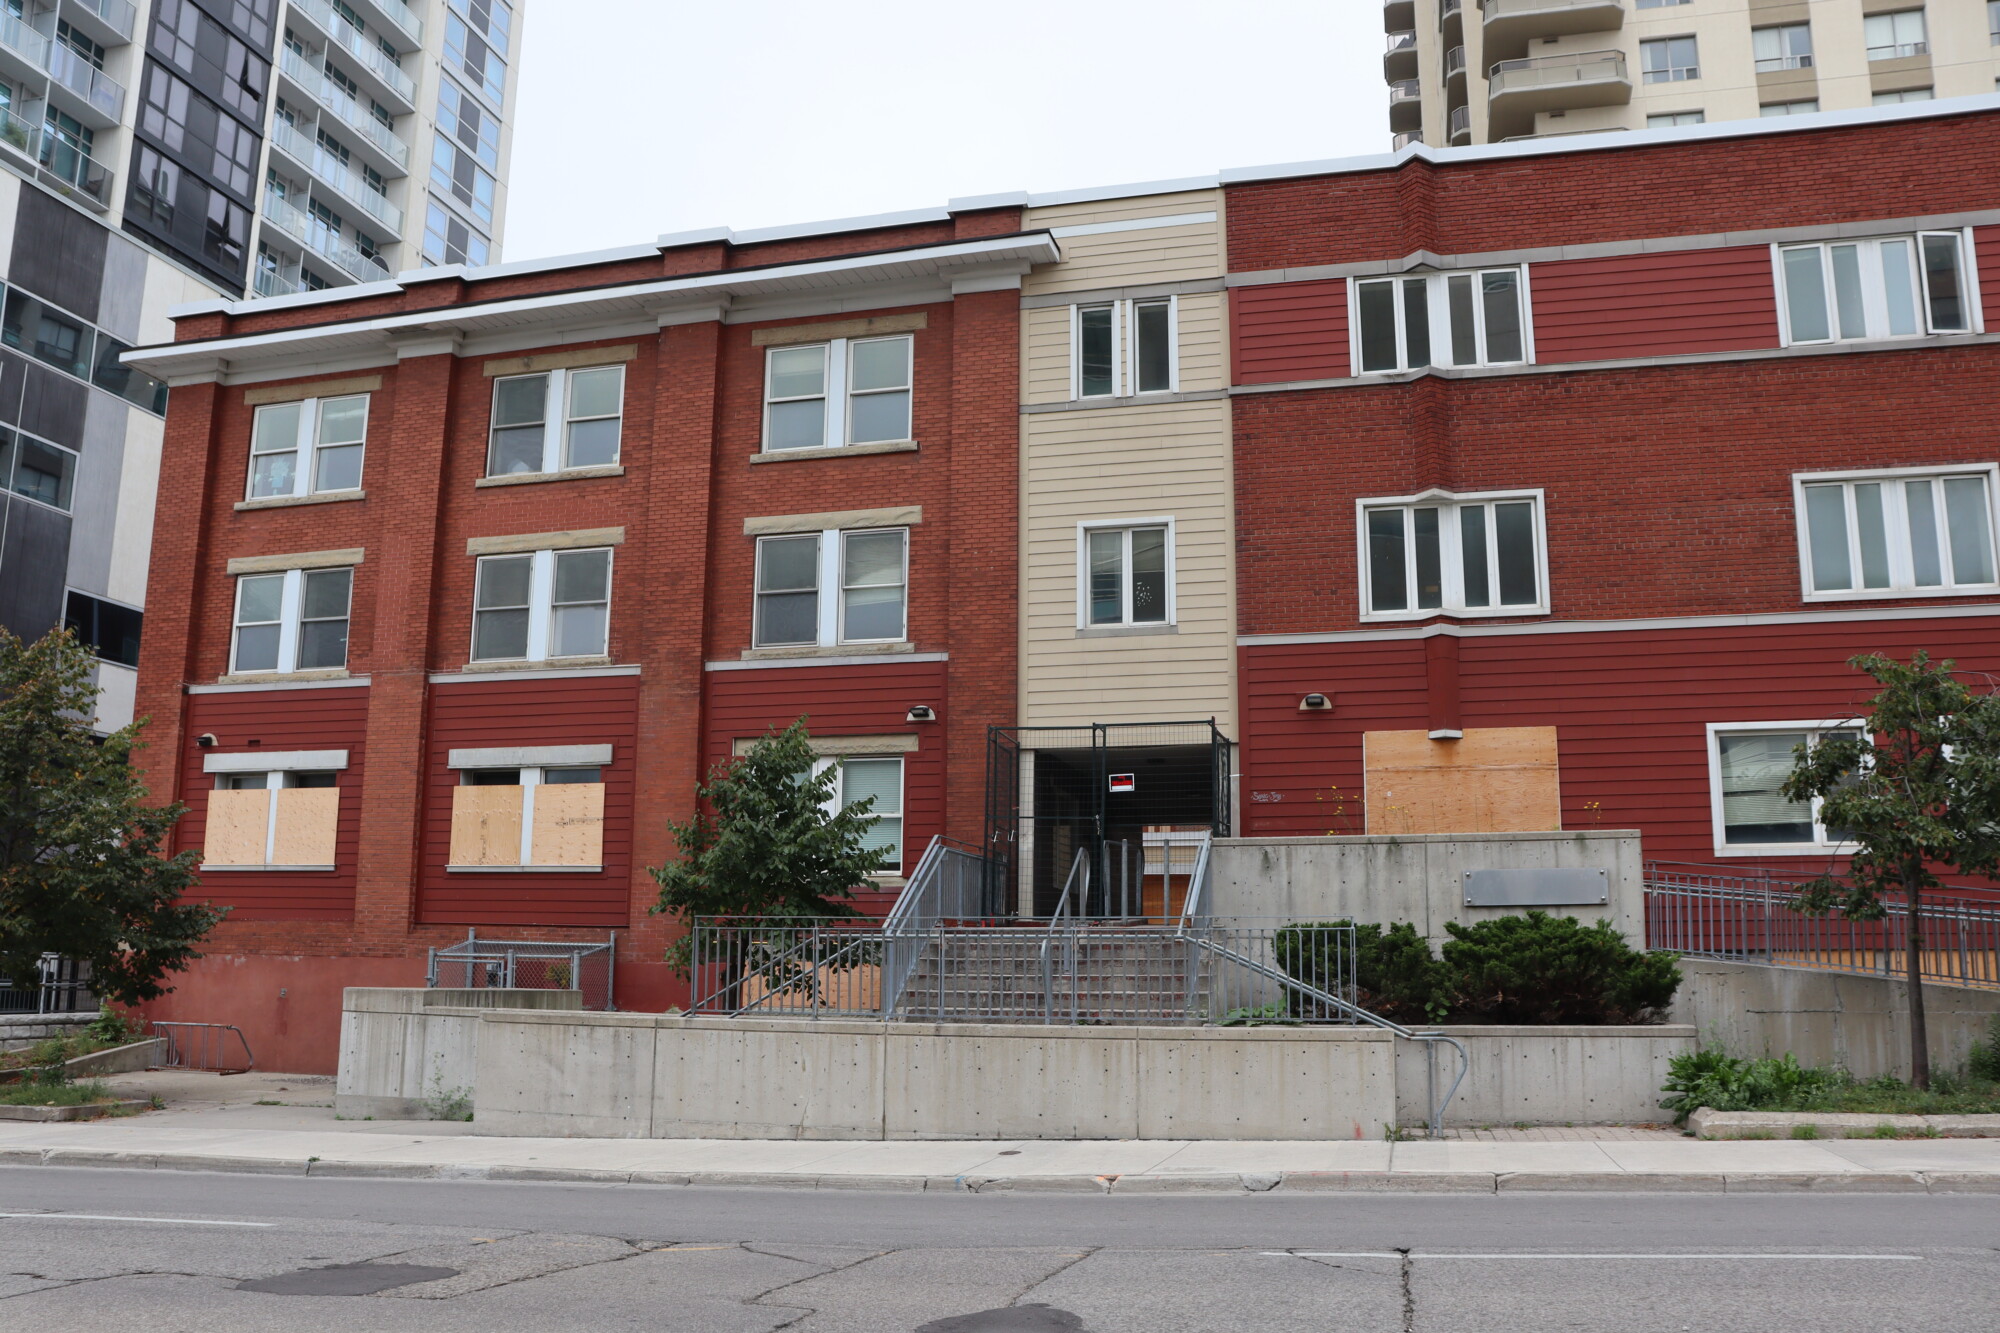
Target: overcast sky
[{"x": 637, "y": 117}]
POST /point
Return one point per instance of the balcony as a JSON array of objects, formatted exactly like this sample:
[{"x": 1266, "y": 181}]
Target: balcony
[
  {"x": 74, "y": 172},
  {"x": 1397, "y": 143},
  {"x": 322, "y": 241},
  {"x": 23, "y": 51},
  {"x": 1449, "y": 10},
  {"x": 399, "y": 23},
  {"x": 374, "y": 62},
  {"x": 1399, "y": 15},
  {"x": 1400, "y": 60},
  {"x": 110, "y": 22},
  {"x": 1406, "y": 104},
  {"x": 327, "y": 169},
  {"x": 269, "y": 282},
  {"x": 1509, "y": 26},
  {"x": 102, "y": 95},
  {"x": 1519, "y": 90},
  {"x": 1461, "y": 125},
  {"x": 332, "y": 98},
  {"x": 1454, "y": 67}
]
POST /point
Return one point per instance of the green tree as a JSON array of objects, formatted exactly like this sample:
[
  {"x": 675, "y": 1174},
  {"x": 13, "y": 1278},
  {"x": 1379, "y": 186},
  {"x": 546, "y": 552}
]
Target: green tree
[
  {"x": 1915, "y": 786},
  {"x": 81, "y": 870},
  {"x": 764, "y": 844}
]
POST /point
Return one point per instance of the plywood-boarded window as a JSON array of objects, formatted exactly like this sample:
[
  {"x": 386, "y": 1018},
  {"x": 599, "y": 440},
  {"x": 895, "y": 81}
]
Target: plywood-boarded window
[
  {"x": 528, "y": 818},
  {"x": 1493, "y": 780},
  {"x": 275, "y": 820}
]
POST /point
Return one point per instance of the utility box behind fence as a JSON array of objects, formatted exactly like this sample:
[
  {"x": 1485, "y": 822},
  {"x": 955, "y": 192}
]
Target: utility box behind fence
[{"x": 587, "y": 967}]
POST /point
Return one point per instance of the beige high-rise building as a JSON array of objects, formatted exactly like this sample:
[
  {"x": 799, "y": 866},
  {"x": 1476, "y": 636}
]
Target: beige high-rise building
[{"x": 1486, "y": 71}]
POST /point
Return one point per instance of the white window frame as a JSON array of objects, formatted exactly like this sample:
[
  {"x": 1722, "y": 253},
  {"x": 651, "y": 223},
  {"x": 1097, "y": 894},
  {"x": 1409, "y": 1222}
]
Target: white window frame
[
  {"x": 307, "y": 446},
  {"x": 838, "y": 427},
  {"x": 1450, "y": 555},
  {"x": 1673, "y": 72},
  {"x": 532, "y": 777},
  {"x": 556, "y": 419},
  {"x": 1899, "y": 50},
  {"x": 1784, "y": 60},
  {"x": 1874, "y": 290},
  {"x": 1896, "y": 522},
  {"x": 1437, "y": 299},
  {"x": 837, "y": 802},
  {"x": 831, "y": 572},
  {"x": 1820, "y": 845},
  {"x": 541, "y": 603},
  {"x": 291, "y": 621},
  {"x": 1126, "y": 623},
  {"x": 1124, "y": 347}
]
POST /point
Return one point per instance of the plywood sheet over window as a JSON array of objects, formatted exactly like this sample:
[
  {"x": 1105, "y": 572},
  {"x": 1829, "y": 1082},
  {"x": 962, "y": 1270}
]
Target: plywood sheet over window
[
  {"x": 568, "y": 824},
  {"x": 308, "y": 819},
  {"x": 1494, "y": 780},
  {"x": 486, "y": 826},
  {"x": 238, "y": 824}
]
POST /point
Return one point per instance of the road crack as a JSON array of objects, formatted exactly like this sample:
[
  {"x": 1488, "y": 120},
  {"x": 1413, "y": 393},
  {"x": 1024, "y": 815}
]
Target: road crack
[{"x": 1409, "y": 1293}]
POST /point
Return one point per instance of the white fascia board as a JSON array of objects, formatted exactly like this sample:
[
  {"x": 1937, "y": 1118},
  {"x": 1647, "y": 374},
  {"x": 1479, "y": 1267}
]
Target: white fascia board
[
  {"x": 1093, "y": 194},
  {"x": 617, "y": 254},
  {"x": 1615, "y": 139},
  {"x": 700, "y": 236},
  {"x": 266, "y": 761},
  {"x": 973, "y": 203},
  {"x": 836, "y": 226},
  {"x": 167, "y": 358}
]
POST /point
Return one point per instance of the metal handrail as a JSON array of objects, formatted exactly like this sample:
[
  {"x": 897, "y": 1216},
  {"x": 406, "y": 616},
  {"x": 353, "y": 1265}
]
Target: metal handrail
[{"x": 1079, "y": 874}]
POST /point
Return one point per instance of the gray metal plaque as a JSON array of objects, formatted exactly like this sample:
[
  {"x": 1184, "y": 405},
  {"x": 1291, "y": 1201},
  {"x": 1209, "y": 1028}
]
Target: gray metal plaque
[{"x": 1536, "y": 888}]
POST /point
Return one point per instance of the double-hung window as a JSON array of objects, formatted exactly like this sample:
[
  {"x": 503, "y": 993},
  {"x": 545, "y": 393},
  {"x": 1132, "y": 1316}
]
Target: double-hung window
[
  {"x": 1666, "y": 120},
  {"x": 1785, "y": 46},
  {"x": 1449, "y": 319},
  {"x": 294, "y": 620},
  {"x": 859, "y": 779},
  {"x": 546, "y": 815},
  {"x": 1910, "y": 532},
  {"x": 1747, "y": 765},
  {"x": 1126, "y": 574},
  {"x": 1439, "y": 553},
  {"x": 1893, "y": 287},
  {"x": 556, "y": 420},
  {"x": 309, "y": 447},
  {"x": 542, "y": 604},
  {"x": 272, "y": 818},
  {"x": 1669, "y": 60},
  {"x": 845, "y": 392},
  {"x": 1894, "y": 36},
  {"x": 1123, "y": 348},
  {"x": 819, "y": 589}
]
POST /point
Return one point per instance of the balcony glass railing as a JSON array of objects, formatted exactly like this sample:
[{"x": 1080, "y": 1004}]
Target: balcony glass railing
[
  {"x": 17, "y": 36},
  {"x": 18, "y": 134},
  {"x": 373, "y": 58},
  {"x": 87, "y": 81},
  {"x": 120, "y": 16},
  {"x": 1461, "y": 120},
  {"x": 1543, "y": 71},
  {"x": 1402, "y": 41},
  {"x": 1502, "y": 8},
  {"x": 1446, "y": 8},
  {"x": 1454, "y": 61},
  {"x": 333, "y": 172},
  {"x": 345, "y": 109},
  {"x": 402, "y": 16},
  {"x": 322, "y": 240},
  {"x": 271, "y": 283},
  {"x": 75, "y": 168},
  {"x": 1406, "y": 138},
  {"x": 1406, "y": 90}
]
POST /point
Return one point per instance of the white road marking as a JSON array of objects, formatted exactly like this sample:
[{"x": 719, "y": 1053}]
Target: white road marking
[
  {"x": 1393, "y": 1254},
  {"x": 163, "y": 1221}
]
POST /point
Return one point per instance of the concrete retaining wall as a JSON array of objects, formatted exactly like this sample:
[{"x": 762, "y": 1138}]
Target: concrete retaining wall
[
  {"x": 20, "y": 1031},
  {"x": 1416, "y": 878},
  {"x": 1546, "y": 1075},
  {"x": 399, "y": 1046},
  {"x": 632, "y": 1076},
  {"x": 1860, "y": 1023}
]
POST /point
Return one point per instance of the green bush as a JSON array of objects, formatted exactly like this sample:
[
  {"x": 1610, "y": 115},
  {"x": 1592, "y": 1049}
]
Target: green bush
[
  {"x": 1539, "y": 968},
  {"x": 111, "y": 1028},
  {"x": 1723, "y": 1083},
  {"x": 1983, "y": 1062},
  {"x": 1394, "y": 973}
]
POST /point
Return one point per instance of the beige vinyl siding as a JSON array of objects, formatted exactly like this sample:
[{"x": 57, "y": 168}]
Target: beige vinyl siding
[
  {"x": 1120, "y": 258},
  {"x": 1140, "y": 461},
  {"x": 1046, "y": 336}
]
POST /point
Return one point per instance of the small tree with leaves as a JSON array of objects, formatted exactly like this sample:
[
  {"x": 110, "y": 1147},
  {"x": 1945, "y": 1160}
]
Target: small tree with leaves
[
  {"x": 81, "y": 870},
  {"x": 766, "y": 844},
  {"x": 1915, "y": 786}
]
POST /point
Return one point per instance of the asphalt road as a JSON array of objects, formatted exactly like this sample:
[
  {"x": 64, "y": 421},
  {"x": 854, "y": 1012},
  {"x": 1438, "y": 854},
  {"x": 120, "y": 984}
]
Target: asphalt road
[{"x": 91, "y": 1249}]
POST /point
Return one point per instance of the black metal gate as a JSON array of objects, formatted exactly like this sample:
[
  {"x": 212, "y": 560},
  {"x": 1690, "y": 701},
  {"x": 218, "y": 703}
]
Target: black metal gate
[
  {"x": 1003, "y": 819},
  {"x": 1099, "y": 788}
]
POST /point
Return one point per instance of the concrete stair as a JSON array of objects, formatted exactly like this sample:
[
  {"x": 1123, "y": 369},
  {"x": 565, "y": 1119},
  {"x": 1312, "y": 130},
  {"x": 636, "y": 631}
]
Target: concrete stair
[{"x": 1105, "y": 975}]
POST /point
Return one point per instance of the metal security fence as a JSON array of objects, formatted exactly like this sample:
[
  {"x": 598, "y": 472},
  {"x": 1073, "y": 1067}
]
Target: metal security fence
[
  {"x": 219, "y": 1048},
  {"x": 1707, "y": 913},
  {"x": 482, "y": 964},
  {"x": 59, "y": 986}
]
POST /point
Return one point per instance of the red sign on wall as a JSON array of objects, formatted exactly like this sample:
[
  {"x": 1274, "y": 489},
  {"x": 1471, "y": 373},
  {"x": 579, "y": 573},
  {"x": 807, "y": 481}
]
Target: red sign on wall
[{"x": 1124, "y": 782}]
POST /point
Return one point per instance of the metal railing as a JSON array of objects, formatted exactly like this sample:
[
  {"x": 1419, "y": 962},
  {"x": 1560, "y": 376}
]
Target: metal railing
[
  {"x": 320, "y": 239},
  {"x": 119, "y": 16},
  {"x": 371, "y": 57},
  {"x": 1454, "y": 61},
  {"x": 951, "y": 883},
  {"x": 345, "y": 109},
  {"x": 1446, "y": 8},
  {"x": 60, "y": 986},
  {"x": 271, "y": 283},
  {"x": 17, "y": 36},
  {"x": 1720, "y": 913},
  {"x": 207, "y": 1046},
  {"x": 66, "y": 164},
  {"x": 1405, "y": 90},
  {"x": 1550, "y": 71},
  {"x": 1461, "y": 120},
  {"x": 328, "y": 169},
  {"x": 18, "y": 134},
  {"x": 401, "y": 16},
  {"x": 1504, "y": 8},
  {"x": 1404, "y": 139},
  {"x": 1401, "y": 41},
  {"x": 588, "y": 966}
]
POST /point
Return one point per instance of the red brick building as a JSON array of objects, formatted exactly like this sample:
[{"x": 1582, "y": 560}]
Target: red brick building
[
  {"x": 1604, "y": 457},
  {"x": 484, "y": 570}
]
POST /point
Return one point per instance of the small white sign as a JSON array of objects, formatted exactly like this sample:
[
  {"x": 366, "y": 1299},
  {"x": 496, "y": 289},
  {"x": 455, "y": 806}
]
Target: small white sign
[{"x": 1124, "y": 782}]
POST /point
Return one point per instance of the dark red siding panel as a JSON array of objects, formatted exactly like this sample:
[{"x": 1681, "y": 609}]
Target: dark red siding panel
[
  {"x": 243, "y": 723},
  {"x": 1672, "y": 304},
  {"x": 867, "y": 700},
  {"x": 1630, "y": 709},
  {"x": 584, "y": 710},
  {"x": 1288, "y": 331},
  {"x": 1986, "y": 248}
]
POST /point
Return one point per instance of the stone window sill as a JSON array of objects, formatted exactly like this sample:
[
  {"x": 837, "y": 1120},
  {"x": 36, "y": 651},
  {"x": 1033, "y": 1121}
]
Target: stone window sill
[
  {"x": 567, "y": 474},
  {"x": 292, "y": 501},
  {"x": 1125, "y": 631},
  {"x": 279, "y": 677},
  {"x": 835, "y": 650},
  {"x": 523, "y": 870},
  {"x": 544, "y": 664},
  {"x": 837, "y": 451},
  {"x": 275, "y": 870}
]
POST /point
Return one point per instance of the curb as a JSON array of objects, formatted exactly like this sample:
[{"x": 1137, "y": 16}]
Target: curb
[{"x": 1249, "y": 1182}]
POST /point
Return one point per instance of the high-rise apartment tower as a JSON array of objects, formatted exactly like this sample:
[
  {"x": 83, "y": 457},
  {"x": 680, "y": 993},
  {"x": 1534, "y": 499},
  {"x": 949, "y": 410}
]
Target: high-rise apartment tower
[{"x": 1486, "y": 71}]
